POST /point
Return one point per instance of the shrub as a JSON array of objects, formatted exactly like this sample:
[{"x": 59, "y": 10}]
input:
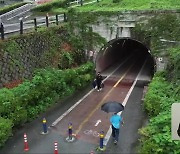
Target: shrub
[
  {"x": 174, "y": 65},
  {"x": 158, "y": 97},
  {"x": 12, "y": 107},
  {"x": 5, "y": 130},
  {"x": 28, "y": 100},
  {"x": 48, "y": 6},
  {"x": 116, "y": 1},
  {"x": 156, "y": 137}
]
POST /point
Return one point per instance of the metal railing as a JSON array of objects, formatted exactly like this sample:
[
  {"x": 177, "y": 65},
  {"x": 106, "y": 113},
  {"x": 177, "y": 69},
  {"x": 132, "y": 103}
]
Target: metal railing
[
  {"x": 37, "y": 22},
  {"x": 30, "y": 24}
]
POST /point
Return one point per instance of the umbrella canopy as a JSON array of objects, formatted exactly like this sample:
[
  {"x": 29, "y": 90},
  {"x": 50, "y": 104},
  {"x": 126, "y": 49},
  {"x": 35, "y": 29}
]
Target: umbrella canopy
[{"x": 112, "y": 106}]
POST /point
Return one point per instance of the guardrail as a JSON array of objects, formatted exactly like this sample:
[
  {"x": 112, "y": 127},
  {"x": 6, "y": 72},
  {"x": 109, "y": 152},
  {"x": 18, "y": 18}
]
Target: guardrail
[
  {"x": 30, "y": 24},
  {"x": 37, "y": 22}
]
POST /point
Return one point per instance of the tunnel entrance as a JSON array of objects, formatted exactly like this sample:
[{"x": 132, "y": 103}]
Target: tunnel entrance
[{"x": 119, "y": 49}]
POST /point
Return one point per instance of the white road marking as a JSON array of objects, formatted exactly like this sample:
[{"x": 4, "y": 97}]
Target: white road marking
[
  {"x": 78, "y": 102},
  {"x": 97, "y": 123},
  {"x": 27, "y": 16},
  {"x": 108, "y": 135},
  {"x": 20, "y": 18}
]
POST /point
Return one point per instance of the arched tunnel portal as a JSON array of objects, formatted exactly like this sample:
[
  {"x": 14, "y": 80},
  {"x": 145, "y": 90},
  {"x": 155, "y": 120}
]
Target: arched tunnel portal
[{"x": 117, "y": 50}]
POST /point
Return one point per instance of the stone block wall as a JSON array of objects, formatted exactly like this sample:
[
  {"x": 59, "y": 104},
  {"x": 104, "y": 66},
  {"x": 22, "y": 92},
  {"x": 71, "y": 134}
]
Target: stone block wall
[{"x": 20, "y": 65}]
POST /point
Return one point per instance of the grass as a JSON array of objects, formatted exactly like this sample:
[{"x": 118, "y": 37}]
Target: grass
[
  {"x": 108, "y": 5},
  {"x": 58, "y": 10}
]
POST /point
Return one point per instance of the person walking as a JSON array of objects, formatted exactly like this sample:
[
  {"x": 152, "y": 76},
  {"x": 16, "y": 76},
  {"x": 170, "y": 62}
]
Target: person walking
[
  {"x": 116, "y": 120},
  {"x": 98, "y": 81}
]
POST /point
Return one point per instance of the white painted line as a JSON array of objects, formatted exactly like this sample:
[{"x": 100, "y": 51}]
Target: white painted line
[
  {"x": 108, "y": 135},
  {"x": 17, "y": 15},
  {"x": 97, "y": 123},
  {"x": 78, "y": 102},
  {"x": 27, "y": 16},
  {"x": 71, "y": 108}
]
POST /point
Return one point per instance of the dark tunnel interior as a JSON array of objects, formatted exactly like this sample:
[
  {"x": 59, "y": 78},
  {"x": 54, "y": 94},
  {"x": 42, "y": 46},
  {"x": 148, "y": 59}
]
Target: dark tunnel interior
[{"x": 118, "y": 50}]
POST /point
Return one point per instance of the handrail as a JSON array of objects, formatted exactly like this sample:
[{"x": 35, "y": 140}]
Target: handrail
[{"x": 30, "y": 24}]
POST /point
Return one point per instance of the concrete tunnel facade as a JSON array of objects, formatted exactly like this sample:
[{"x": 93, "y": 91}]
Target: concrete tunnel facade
[{"x": 119, "y": 49}]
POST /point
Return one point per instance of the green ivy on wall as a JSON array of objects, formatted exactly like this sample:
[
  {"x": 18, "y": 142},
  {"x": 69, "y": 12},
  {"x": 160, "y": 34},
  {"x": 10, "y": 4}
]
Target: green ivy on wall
[{"x": 158, "y": 28}]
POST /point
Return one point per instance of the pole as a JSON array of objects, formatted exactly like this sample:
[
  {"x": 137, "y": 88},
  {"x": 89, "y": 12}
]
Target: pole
[
  {"x": 55, "y": 147},
  {"x": 44, "y": 126},
  {"x": 26, "y": 147},
  {"x": 70, "y": 131},
  {"x": 21, "y": 27},
  {"x": 81, "y": 2},
  {"x": 2, "y": 31},
  {"x": 101, "y": 140},
  {"x": 92, "y": 152},
  {"x": 117, "y": 32},
  {"x": 47, "y": 22},
  {"x": 57, "y": 19},
  {"x": 65, "y": 17},
  {"x": 35, "y": 24}
]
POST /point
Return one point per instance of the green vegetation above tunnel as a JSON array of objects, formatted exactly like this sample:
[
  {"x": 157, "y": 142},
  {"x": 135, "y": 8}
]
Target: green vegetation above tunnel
[{"x": 111, "y": 5}]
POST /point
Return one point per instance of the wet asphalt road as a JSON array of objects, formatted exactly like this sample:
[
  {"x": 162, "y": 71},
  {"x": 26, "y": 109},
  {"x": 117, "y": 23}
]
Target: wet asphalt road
[{"x": 133, "y": 115}]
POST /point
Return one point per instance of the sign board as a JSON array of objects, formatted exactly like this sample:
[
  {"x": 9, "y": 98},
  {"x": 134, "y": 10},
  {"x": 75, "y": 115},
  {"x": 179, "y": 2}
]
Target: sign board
[{"x": 175, "y": 121}]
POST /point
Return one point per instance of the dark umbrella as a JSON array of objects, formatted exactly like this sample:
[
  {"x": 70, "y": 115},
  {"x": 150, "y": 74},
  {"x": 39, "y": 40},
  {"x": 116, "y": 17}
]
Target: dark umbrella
[{"x": 112, "y": 106}]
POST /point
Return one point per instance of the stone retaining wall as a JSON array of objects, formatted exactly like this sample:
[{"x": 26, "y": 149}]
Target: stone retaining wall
[{"x": 20, "y": 65}]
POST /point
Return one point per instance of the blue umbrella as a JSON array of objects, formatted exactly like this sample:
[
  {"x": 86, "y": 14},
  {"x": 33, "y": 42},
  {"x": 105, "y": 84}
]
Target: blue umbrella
[{"x": 112, "y": 106}]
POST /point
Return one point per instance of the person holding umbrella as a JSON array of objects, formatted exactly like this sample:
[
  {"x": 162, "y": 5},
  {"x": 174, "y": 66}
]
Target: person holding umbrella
[{"x": 116, "y": 120}]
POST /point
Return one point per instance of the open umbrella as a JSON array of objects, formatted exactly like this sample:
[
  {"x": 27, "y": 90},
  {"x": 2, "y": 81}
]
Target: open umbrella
[{"x": 112, "y": 106}]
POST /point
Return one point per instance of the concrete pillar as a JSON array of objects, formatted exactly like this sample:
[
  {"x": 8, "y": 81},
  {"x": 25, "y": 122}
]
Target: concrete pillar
[
  {"x": 126, "y": 32},
  {"x": 125, "y": 28}
]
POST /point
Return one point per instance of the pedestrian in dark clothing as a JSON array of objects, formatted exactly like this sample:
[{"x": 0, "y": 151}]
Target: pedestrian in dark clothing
[
  {"x": 98, "y": 81},
  {"x": 115, "y": 120}
]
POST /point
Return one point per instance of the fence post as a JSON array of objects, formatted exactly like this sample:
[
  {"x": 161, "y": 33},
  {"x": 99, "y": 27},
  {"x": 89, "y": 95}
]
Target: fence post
[
  {"x": 57, "y": 19},
  {"x": 65, "y": 17},
  {"x": 2, "y": 31},
  {"x": 81, "y": 2},
  {"x": 117, "y": 32},
  {"x": 35, "y": 24},
  {"x": 21, "y": 27},
  {"x": 101, "y": 142},
  {"x": 47, "y": 22}
]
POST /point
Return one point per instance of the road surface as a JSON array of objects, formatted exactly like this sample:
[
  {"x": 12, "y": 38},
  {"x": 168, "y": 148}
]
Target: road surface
[{"x": 122, "y": 84}]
